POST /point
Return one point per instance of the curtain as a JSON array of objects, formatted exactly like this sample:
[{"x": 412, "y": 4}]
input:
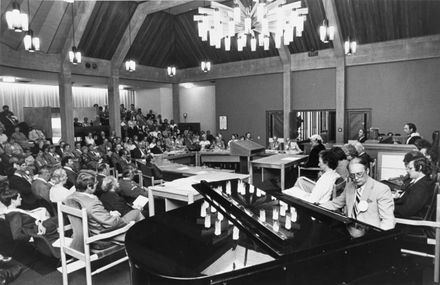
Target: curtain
[{"x": 17, "y": 96}]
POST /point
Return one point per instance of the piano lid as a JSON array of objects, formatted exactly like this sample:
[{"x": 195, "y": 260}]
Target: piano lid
[{"x": 279, "y": 223}]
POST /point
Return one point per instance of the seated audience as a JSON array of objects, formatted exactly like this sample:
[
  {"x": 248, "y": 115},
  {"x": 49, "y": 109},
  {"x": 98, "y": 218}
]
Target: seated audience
[
  {"x": 342, "y": 168},
  {"x": 361, "y": 151},
  {"x": 150, "y": 169},
  {"x": 40, "y": 186},
  {"x": 291, "y": 146},
  {"x": 410, "y": 130},
  {"x": 112, "y": 201},
  {"x": 68, "y": 165},
  {"x": 98, "y": 217},
  {"x": 58, "y": 192},
  {"x": 350, "y": 151},
  {"x": 129, "y": 189},
  {"x": 274, "y": 144},
  {"x": 52, "y": 158},
  {"x": 3, "y": 137},
  {"x": 417, "y": 194},
  {"x": 20, "y": 138},
  {"x": 25, "y": 224},
  {"x": 362, "y": 137},
  {"x": 22, "y": 183},
  {"x": 89, "y": 140},
  {"x": 321, "y": 191},
  {"x": 36, "y": 135},
  {"x": 234, "y": 137},
  {"x": 76, "y": 123},
  {"x": 86, "y": 122},
  {"x": 317, "y": 147},
  {"x": 364, "y": 198}
]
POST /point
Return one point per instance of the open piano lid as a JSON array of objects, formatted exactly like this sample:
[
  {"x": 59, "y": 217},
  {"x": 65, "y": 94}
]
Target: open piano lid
[{"x": 311, "y": 227}]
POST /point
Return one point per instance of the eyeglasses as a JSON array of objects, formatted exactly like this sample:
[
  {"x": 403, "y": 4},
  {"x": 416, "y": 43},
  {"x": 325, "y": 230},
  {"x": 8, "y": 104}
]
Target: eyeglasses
[{"x": 356, "y": 175}]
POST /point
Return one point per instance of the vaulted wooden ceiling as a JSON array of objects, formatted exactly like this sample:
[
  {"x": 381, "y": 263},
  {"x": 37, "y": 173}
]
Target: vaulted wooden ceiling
[{"x": 170, "y": 36}]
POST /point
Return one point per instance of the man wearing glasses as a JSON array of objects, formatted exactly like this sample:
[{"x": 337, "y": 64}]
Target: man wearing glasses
[{"x": 364, "y": 198}]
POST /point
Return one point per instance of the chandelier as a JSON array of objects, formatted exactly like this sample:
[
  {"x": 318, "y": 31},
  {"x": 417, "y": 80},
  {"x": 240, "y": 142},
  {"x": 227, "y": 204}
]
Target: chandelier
[
  {"x": 31, "y": 42},
  {"x": 17, "y": 20},
  {"x": 255, "y": 22},
  {"x": 350, "y": 47},
  {"x": 171, "y": 71}
]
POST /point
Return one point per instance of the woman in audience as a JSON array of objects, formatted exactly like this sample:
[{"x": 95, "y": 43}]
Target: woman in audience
[
  {"x": 112, "y": 201},
  {"x": 234, "y": 137},
  {"x": 3, "y": 137},
  {"x": 361, "y": 151},
  {"x": 274, "y": 144},
  {"x": 52, "y": 158},
  {"x": 40, "y": 161},
  {"x": 417, "y": 194},
  {"x": 317, "y": 147},
  {"x": 154, "y": 147},
  {"x": 219, "y": 143},
  {"x": 14, "y": 147},
  {"x": 342, "y": 168},
  {"x": 350, "y": 151},
  {"x": 248, "y": 136},
  {"x": 321, "y": 191},
  {"x": 58, "y": 192}
]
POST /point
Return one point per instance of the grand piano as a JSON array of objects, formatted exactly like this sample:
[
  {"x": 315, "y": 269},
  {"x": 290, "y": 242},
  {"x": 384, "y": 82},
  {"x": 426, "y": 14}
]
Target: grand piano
[{"x": 240, "y": 234}]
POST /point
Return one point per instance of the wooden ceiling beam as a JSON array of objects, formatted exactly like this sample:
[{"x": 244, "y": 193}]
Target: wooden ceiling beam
[
  {"x": 82, "y": 16},
  {"x": 49, "y": 27},
  {"x": 333, "y": 19},
  {"x": 136, "y": 21}
]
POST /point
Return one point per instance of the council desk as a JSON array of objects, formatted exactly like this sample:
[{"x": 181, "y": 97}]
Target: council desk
[{"x": 242, "y": 235}]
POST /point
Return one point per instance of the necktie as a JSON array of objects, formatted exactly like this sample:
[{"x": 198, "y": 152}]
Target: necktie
[{"x": 356, "y": 203}]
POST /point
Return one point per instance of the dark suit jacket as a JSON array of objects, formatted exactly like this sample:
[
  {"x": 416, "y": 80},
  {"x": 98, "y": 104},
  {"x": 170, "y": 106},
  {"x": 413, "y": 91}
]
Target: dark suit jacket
[
  {"x": 41, "y": 189},
  {"x": 413, "y": 139},
  {"x": 136, "y": 153},
  {"x": 313, "y": 160},
  {"x": 129, "y": 190},
  {"x": 71, "y": 178},
  {"x": 23, "y": 187},
  {"x": 23, "y": 226},
  {"x": 112, "y": 201},
  {"x": 416, "y": 198}
]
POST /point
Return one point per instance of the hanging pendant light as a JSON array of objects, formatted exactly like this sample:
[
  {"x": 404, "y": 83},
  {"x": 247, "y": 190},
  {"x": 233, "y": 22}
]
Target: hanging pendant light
[
  {"x": 205, "y": 66},
  {"x": 171, "y": 71},
  {"x": 74, "y": 54},
  {"x": 350, "y": 47},
  {"x": 130, "y": 64},
  {"x": 16, "y": 20},
  {"x": 31, "y": 43},
  {"x": 326, "y": 32}
]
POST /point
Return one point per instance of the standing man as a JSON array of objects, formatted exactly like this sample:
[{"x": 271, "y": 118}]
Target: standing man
[
  {"x": 364, "y": 198},
  {"x": 410, "y": 130}
]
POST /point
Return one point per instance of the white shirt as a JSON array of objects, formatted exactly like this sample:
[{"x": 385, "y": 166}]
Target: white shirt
[
  {"x": 59, "y": 193},
  {"x": 321, "y": 192},
  {"x": 3, "y": 138}
]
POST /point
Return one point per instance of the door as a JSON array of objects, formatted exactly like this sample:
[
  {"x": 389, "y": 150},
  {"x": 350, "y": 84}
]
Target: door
[
  {"x": 356, "y": 120},
  {"x": 274, "y": 124}
]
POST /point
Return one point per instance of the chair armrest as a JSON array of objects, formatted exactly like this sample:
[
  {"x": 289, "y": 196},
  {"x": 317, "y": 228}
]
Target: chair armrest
[
  {"x": 417, "y": 223},
  {"x": 310, "y": 168},
  {"x": 110, "y": 234}
]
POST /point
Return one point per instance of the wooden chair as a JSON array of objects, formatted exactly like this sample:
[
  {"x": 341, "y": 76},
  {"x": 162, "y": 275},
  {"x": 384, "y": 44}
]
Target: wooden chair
[
  {"x": 80, "y": 246},
  {"x": 311, "y": 171},
  {"x": 430, "y": 221}
]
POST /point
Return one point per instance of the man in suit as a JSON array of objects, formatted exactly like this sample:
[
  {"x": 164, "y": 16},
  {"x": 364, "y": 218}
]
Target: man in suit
[
  {"x": 364, "y": 198},
  {"x": 68, "y": 165},
  {"x": 129, "y": 189},
  {"x": 418, "y": 192},
  {"x": 40, "y": 186},
  {"x": 139, "y": 151},
  {"x": 21, "y": 182},
  {"x": 410, "y": 130},
  {"x": 98, "y": 217}
]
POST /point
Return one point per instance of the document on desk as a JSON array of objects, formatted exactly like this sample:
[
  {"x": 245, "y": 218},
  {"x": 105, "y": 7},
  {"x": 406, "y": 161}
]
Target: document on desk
[
  {"x": 183, "y": 168},
  {"x": 289, "y": 158}
]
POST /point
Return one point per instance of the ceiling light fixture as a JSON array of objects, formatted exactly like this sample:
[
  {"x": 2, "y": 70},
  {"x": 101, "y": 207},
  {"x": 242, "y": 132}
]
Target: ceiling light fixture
[
  {"x": 16, "y": 20},
  {"x": 31, "y": 43},
  {"x": 8, "y": 79},
  {"x": 187, "y": 85},
  {"x": 350, "y": 47},
  {"x": 171, "y": 71},
  {"x": 205, "y": 66},
  {"x": 74, "y": 54},
  {"x": 256, "y": 22},
  {"x": 326, "y": 32},
  {"x": 130, "y": 64}
]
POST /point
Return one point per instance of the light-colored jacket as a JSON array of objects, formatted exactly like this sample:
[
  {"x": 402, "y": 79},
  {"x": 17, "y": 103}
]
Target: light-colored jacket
[{"x": 380, "y": 211}]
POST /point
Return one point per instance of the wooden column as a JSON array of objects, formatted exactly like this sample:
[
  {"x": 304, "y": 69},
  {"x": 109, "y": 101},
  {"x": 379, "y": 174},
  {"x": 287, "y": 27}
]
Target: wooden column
[
  {"x": 287, "y": 77},
  {"x": 176, "y": 104},
  {"x": 66, "y": 104},
  {"x": 114, "y": 102},
  {"x": 340, "y": 100}
]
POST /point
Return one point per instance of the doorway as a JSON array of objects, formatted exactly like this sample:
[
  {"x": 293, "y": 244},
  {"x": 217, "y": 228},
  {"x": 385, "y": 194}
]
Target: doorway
[{"x": 356, "y": 120}]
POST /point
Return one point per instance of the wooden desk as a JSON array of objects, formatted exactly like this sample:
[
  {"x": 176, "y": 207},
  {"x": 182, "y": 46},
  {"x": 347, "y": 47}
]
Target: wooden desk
[
  {"x": 277, "y": 161},
  {"x": 180, "y": 192},
  {"x": 223, "y": 156}
]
